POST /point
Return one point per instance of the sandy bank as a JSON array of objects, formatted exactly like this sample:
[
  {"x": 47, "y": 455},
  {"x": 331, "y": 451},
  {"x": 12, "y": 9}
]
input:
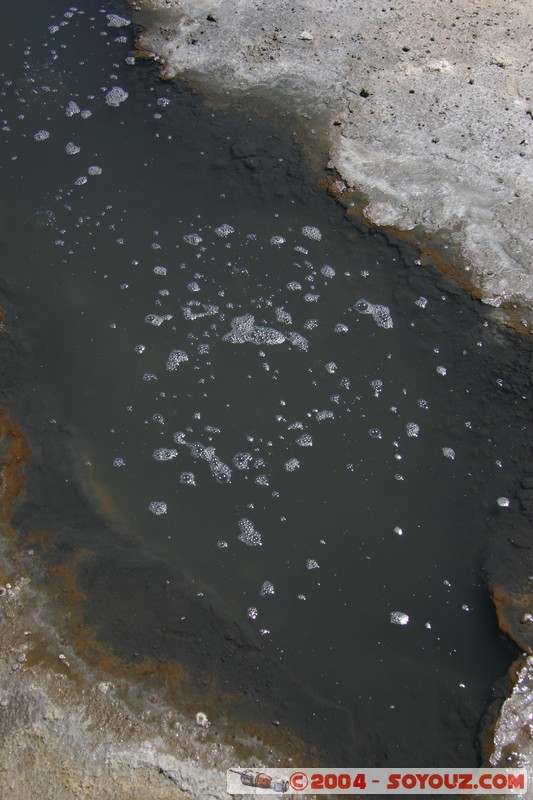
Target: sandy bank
[{"x": 427, "y": 107}]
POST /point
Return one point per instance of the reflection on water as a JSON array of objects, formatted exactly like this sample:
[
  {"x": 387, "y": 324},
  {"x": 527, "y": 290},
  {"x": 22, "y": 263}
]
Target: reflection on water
[{"x": 309, "y": 424}]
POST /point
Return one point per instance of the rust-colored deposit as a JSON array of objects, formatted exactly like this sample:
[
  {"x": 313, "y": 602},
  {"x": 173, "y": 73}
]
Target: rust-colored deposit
[
  {"x": 153, "y": 678},
  {"x": 157, "y": 678},
  {"x": 514, "y": 612},
  {"x": 14, "y": 454}
]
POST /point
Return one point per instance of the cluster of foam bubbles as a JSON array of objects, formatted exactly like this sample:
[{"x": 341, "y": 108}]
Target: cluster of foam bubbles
[
  {"x": 242, "y": 461},
  {"x": 399, "y": 618},
  {"x": 175, "y": 358},
  {"x": 158, "y": 507},
  {"x": 244, "y": 329},
  {"x": 164, "y": 454},
  {"x": 224, "y": 230},
  {"x": 193, "y": 309},
  {"x": 248, "y": 534},
  {"x": 312, "y": 232},
  {"x": 115, "y": 21},
  {"x": 381, "y": 314},
  {"x": 292, "y": 464},
  {"x": 115, "y": 96},
  {"x": 199, "y": 452},
  {"x": 412, "y": 429}
]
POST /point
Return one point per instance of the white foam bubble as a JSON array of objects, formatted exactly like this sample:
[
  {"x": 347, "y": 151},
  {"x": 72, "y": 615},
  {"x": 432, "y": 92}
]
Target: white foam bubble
[
  {"x": 41, "y": 136},
  {"x": 442, "y": 370},
  {"x": 292, "y": 464},
  {"x": 327, "y": 271},
  {"x": 139, "y": 348},
  {"x": 277, "y": 240},
  {"x": 164, "y": 454},
  {"x": 503, "y": 502},
  {"x": 149, "y": 376},
  {"x": 377, "y": 386},
  {"x": 412, "y": 429},
  {"x": 341, "y": 328},
  {"x": 311, "y": 232},
  {"x": 381, "y": 314},
  {"x": 267, "y": 589},
  {"x": 248, "y": 534},
  {"x": 160, "y": 270},
  {"x": 298, "y": 340},
  {"x": 72, "y": 149},
  {"x": 158, "y": 507},
  {"x": 421, "y": 302},
  {"x": 193, "y": 309},
  {"x": 331, "y": 367},
  {"x": 322, "y": 415},
  {"x": 154, "y": 319},
  {"x": 305, "y": 440},
  {"x": 294, "y": 286},
  {"x": 242, "y": 460},
  {"x": 399, "y": 618},
  {"x": 81, "y": 180},
  {"x": 311, "y": 564},
  {"x": 243, "y": 329},
  {"x": 71, "y": 109},
  {"x": 252, "y": 612},
  {"x": 119, "y": 462},
  {"x": 175, "y": 358},
  {"x": 224, "y": 230},
  {"x": 448, "y": 452},
  {"x": 114, "y": 21},
  {"x": 311, "y": 298},
  {"x": 116, "y": 96},
  {"x": 187, "y": 479},
  {"x": 192, "y": 238},
  {"x": 283, "y": 316}
]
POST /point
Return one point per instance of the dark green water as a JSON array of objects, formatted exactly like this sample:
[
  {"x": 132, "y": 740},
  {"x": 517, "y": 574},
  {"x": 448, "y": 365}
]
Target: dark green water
[{"x": 324, "y": 425}]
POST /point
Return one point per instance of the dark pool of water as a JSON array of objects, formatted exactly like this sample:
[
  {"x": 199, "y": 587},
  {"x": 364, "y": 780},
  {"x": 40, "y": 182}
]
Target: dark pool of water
[{"x": 293, "y": 413}]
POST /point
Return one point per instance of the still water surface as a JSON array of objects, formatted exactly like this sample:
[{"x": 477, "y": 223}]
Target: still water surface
[{"x": 293, "y": 412}]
